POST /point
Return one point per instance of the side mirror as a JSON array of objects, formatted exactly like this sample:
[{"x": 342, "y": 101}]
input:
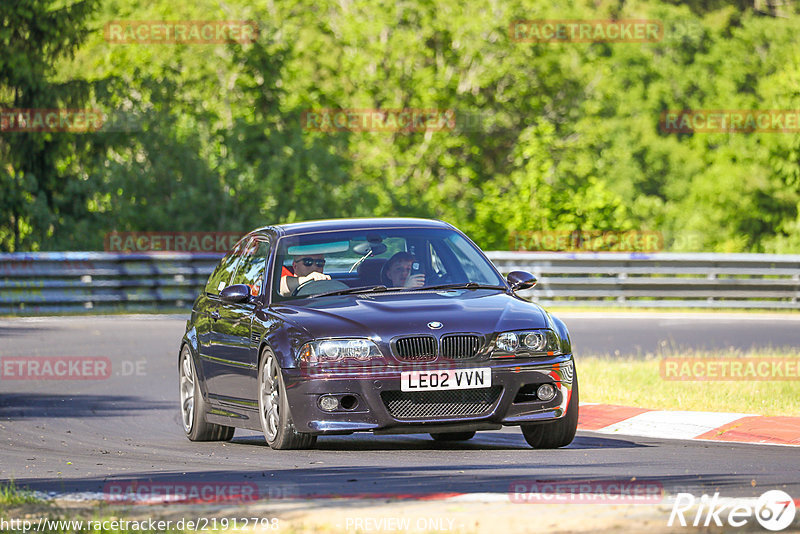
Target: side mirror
[
  {"x": 520, "y": 280},
  {"x": 235, "y": 294}
]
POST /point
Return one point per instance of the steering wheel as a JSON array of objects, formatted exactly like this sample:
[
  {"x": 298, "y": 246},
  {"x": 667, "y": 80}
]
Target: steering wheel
[{"x": 312, "y": 287}]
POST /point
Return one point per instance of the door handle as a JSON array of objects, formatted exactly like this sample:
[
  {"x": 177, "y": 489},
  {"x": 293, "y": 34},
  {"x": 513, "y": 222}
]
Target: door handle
[{"x": 215, "y": 315}]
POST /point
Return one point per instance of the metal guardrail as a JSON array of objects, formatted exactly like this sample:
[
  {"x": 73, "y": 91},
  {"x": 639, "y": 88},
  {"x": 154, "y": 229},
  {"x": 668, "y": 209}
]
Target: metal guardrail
[
  {"x": 57, "y": 282},
  {"x": 699, "y": 280}
]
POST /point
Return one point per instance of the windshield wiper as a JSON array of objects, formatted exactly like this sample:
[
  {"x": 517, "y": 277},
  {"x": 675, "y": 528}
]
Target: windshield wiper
[
  {"x": 381, "y": 289},
  {"x": 353, "y": 290},
  {"x": 467, "y": 285}
]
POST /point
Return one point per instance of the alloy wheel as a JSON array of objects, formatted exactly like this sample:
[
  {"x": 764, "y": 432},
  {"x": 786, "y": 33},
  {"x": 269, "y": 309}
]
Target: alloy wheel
[
  {"x": 270, "y": 398},
  {"x": 187, "y": 390}
]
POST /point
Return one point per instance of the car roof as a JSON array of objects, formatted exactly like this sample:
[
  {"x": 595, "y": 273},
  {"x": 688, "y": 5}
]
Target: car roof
[{"x": 354, "y": 224}]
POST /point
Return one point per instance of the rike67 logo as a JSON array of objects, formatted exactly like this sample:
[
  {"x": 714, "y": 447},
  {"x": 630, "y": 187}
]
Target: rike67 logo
[{"x": 774, "y": 510}]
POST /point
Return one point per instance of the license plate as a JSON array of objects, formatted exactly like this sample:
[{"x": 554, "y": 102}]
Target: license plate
[{"x": 446, "y": 379}]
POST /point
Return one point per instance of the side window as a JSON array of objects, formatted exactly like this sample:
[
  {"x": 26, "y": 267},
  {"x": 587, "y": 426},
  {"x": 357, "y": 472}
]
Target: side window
[
  {"x": 221, "y": 276},
  {"x": 469, "y": 260},
  {"x": 251, "y": 269}
]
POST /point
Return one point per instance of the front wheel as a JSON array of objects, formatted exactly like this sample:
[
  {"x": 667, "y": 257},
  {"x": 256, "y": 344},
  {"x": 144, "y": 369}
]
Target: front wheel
[
  {"x": 273, "y": 408},
  {"x": 193, "y": 406},
  {"x": 559, "y": 433}
]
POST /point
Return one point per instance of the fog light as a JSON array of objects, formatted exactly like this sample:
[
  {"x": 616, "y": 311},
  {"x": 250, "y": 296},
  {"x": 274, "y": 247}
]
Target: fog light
[
  {"x": 546, "y": 392},
  {"x": 328, "y": 403}
]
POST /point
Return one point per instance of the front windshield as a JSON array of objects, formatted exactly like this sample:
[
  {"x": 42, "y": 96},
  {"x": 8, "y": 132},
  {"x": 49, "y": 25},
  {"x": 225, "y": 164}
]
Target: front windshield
[{"x": 395, "y": 258}]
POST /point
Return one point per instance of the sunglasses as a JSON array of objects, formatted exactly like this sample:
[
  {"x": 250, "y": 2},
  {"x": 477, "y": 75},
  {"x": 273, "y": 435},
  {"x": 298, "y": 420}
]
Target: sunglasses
[{"x": 308, "y": 262}]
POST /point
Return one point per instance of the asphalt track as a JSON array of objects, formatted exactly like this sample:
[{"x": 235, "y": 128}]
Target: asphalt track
[{"x": 73, "y": 436}]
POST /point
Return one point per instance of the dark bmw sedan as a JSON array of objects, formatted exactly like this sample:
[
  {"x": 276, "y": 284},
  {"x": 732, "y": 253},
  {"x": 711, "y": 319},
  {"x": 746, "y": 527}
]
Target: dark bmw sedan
[{"x": 388, "y": 326}]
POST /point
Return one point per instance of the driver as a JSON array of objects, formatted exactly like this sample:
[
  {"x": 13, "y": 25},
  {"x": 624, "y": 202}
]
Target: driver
[{"x": 304, "y": 268}]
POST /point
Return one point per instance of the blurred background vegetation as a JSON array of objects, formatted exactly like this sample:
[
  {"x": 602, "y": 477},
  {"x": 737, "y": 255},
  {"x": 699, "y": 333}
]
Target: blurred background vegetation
[{"x": 568, "y": 135}]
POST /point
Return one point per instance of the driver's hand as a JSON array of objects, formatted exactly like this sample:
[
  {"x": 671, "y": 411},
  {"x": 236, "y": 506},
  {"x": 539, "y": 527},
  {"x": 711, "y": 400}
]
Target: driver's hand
[
  {"x": 312, "y": 276},
  {"x": 415, "y": 280}
]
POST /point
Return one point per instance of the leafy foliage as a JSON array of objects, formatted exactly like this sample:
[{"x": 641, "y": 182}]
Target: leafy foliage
[{"x": 548, "y": 136}]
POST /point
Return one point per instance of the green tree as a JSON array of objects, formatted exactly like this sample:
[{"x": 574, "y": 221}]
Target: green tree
[
  {"x": 549, "y": 136},
  {"x": 37, "y": 178}
]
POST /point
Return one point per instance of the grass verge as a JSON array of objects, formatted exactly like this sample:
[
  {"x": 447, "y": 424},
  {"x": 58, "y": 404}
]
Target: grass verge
[
  {"x": 11, "y": 495},
  {"x": 22, "y": 512},
  {"x": 639, "y": 382}
]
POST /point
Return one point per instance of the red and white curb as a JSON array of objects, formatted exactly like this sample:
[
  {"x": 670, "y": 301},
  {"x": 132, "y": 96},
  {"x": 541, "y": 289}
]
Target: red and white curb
[
  {"x": 605, "y": 495},
  {"x": 707, "y": 426}
]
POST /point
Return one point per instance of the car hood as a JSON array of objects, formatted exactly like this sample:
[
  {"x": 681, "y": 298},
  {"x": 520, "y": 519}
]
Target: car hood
[{"x": 387, "y": 315}]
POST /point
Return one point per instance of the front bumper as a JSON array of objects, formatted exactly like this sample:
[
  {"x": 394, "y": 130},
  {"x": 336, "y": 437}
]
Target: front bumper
[{"x": 380, "y": 406}]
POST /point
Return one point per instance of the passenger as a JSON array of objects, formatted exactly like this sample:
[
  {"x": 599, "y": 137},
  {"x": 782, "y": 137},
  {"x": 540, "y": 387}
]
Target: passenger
[
  {"x": 304, "y": 268},
  {"x": 397, "y": 272}
]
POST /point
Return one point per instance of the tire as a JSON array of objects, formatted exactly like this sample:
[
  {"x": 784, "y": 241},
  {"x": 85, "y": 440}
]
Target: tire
[
  {"x": 559, "y": 433},
  {"x": 193, "y": 406},
  {"x": 453, "y": 436},
  {"x": 273, "y": 408}
]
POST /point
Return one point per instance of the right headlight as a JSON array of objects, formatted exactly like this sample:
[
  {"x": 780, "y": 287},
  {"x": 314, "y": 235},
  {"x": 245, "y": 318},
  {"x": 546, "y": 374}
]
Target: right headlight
[
  {"x": 334, "y": 350},
  {"x": 526, "y": 343}
]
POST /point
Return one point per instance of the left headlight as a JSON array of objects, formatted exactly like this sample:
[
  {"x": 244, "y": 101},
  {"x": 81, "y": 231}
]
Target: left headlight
[
  {"x": 333, "y": 350},
  {"x": 526, "y": 343}
]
